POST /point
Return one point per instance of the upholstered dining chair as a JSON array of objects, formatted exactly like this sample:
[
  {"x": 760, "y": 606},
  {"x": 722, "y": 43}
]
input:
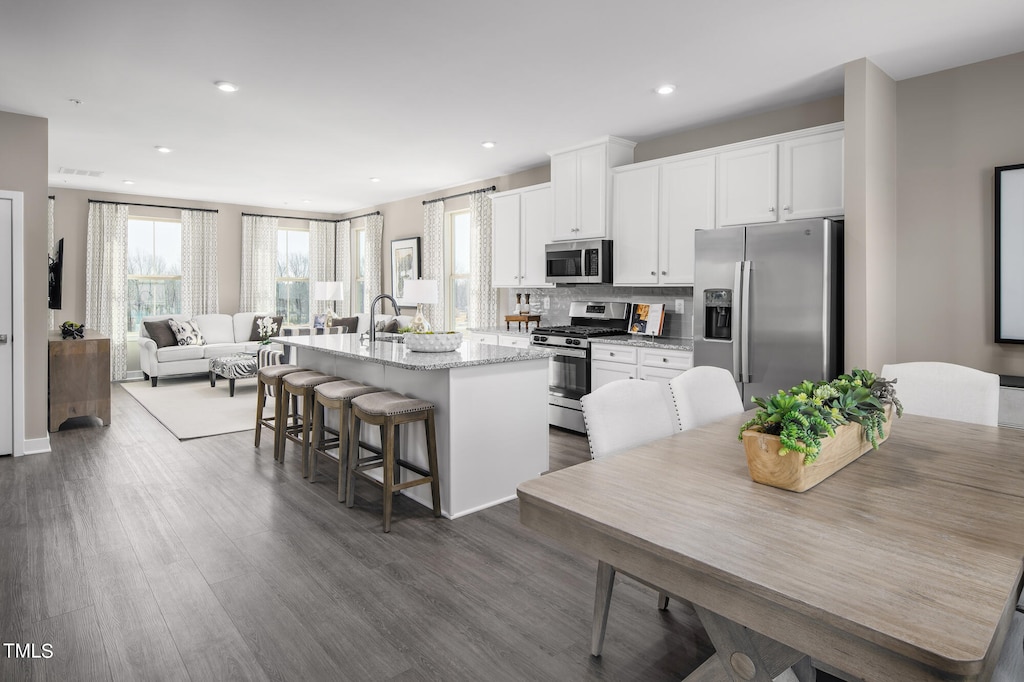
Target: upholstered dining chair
[
  {"x": 620, "y": 415},
  {"x": 703, "y": 395},
  {"x": 946, "y": 391}
]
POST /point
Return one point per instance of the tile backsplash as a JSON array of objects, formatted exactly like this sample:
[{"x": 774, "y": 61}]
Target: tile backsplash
[{"x": 553, "y": 304}]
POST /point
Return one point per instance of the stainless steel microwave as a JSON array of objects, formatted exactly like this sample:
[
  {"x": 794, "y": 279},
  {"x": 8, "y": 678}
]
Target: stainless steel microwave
[{"x": 588, "y": 261}]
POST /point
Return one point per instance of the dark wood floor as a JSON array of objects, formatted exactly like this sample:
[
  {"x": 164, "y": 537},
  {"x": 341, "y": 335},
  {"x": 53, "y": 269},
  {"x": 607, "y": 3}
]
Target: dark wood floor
[{"x": 140, "y": 557}]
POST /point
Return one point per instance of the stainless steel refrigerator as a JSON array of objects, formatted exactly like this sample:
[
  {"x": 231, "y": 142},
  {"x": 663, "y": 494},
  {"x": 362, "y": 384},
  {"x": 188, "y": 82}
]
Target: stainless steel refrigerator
[{"x": 768, "y": 303}]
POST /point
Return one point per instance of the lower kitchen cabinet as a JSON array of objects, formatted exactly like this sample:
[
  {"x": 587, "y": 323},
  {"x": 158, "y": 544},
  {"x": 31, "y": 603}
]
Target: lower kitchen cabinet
[
  {"x": 497, "y": 339},
  {"x": 611, "y": 362}
]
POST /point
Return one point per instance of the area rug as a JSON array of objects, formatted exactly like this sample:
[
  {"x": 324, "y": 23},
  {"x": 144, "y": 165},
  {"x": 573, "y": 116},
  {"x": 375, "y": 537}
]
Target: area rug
[{"x": 190, "y": 408}]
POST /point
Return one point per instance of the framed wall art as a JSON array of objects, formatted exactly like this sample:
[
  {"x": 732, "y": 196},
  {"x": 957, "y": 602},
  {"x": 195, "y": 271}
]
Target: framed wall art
[
  {"x": 1009, "y": 240},
  {"x": 405, "y": 264}
]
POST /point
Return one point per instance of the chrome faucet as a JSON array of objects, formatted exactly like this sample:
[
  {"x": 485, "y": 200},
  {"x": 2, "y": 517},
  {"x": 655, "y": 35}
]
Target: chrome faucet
[{"x": 373, "y": 305}]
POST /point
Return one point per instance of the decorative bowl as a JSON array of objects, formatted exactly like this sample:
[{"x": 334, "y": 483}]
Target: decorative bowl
[{"x": 433, "y": 343}]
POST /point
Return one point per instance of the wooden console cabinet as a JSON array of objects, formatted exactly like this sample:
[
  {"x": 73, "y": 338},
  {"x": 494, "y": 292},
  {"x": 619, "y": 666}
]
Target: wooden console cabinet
[{"x": 79, "y": 378}]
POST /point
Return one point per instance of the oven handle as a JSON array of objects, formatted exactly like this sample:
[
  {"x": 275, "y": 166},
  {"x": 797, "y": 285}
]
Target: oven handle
[{"x": 571, "y": 352}]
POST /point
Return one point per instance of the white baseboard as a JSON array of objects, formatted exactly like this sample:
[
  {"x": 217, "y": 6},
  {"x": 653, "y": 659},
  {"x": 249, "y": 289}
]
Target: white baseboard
[
  {"x": 135, "y": 375},
  {"x": 35, "y": 446}
]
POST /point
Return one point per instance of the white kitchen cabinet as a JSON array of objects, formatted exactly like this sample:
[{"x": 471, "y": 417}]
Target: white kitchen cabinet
[
  {"x": 811, "y": 176},
  {"x": 611, "y": 362},
  {"x": 635, "y": 225},
  {"x": 655, "y": 211},
  {"x": 522, "y": 221},
  {"x": 514, "y": 340},
  {"x": 482, "y": 337},
  {"x": 748, "y": 185},
  {"x": 580, "y": 179},
  {"x": 798, "y": 177}
]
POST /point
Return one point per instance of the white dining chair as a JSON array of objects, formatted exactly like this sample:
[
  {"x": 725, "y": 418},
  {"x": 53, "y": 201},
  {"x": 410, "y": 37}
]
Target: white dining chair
[
  {"x": 946, "y": 391},
  {"x": 703, "y": 395},
  {"x": 621, "y": 415}
]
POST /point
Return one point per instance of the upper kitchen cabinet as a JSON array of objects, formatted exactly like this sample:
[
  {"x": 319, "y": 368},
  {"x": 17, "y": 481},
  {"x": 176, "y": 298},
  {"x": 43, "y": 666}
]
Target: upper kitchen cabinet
[
  {"x": 580, "y": 178},
  {"x": 521, "y": 227},
  {"x": 748, "y": 184},
  {"x": 811, "y": 176},
  {"x": 656, "y": 208},
  {"x": 795, "y": 176}
]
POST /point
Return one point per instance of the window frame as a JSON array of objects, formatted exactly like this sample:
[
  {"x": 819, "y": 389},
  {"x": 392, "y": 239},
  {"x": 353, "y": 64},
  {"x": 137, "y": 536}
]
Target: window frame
[{"x": 133, "y": 332}]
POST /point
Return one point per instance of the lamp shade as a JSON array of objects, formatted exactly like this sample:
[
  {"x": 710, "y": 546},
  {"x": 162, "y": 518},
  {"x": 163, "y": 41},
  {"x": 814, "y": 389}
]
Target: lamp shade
[
  {"x": 420, "y": 291},
  {"x": 328, "y": 291}
]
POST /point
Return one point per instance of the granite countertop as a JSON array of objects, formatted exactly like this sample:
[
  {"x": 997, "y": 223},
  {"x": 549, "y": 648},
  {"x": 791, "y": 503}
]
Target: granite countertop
[
  {"x": 397, "y": 355},
  {"x": 665, "y": 342}
]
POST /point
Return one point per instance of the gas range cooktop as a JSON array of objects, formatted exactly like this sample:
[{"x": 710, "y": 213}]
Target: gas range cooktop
[{"x": 578, "y": 331}]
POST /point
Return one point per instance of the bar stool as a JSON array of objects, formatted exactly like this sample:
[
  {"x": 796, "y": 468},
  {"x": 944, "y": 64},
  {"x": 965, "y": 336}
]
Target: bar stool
[
  {"x": 334, "y": 395},
  {"x": 269, "y": 379},
  {"x": 297, "y": 385},
  {"x": 389, "y": 410}
]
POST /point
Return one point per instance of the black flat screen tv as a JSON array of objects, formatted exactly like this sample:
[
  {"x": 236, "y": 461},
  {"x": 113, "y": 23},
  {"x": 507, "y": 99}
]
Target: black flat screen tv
[{"x": 56, "y": 275}]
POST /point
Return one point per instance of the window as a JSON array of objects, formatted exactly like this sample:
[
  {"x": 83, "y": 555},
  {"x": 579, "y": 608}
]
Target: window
[
  {"x": 457, "y": 269},
  {"x": 154, "y": 268},
  {"x": 293, "y": 275},
  {"x": 358, "y": 269}
]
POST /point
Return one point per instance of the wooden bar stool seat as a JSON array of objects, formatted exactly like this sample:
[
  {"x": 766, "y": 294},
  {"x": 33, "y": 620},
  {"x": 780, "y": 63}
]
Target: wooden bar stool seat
[
  {"x": 389, "y": 410},
  {"x": 334, "y": 395},
  {"x": 297, "y": 424},
  {"x": 268, "y": 379}
]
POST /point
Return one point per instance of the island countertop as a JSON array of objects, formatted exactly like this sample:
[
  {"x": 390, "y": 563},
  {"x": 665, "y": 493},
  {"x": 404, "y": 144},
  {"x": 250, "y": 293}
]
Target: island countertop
[{"x": 397, "y": 355}]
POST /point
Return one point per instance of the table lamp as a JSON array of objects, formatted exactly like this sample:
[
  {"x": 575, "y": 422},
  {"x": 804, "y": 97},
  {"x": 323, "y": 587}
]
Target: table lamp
[
  {"x": 420, "y": 291},
  {"x": 330, "y": 292}
]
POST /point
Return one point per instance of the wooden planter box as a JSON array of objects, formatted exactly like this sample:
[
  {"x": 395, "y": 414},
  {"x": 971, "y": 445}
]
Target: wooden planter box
[{"x": 788, "y": 471}]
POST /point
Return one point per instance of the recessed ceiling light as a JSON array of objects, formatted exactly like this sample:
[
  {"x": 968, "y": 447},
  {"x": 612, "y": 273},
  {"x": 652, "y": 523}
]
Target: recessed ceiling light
[
  {"x": 666, "y": 89},
  {"x": 306, "y": 201},
  {"x": 487, "y": 145},
  {"x": 163, "y": 150},
  {"x": 226, "y": 86},
  {"x": 129, "y": 182},
  {"x": 374, "y": 179}
]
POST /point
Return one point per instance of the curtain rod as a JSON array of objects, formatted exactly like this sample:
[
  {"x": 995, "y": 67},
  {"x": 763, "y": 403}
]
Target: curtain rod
[
  {"x": 365, "y": 215},
  {"x": 131, "y": 203},
  {"x": 462, "y": 194},
  {"x": 288, "y": 217},
  {"x": 51, "y": 197}
]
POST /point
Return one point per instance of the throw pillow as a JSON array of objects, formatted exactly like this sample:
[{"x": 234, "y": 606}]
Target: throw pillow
[
  {"x": 161, "y": 332},
  {"x": 351, "y": 324},
  {"x": 389, "y": 327},
  {"x": 254, "y": 335},
  {"x": 187, "y": 333}
]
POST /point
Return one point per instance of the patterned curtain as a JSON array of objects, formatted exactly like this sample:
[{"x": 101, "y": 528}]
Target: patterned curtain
[
  {"x": 483, "y": 299},
  {"x": 106, "y": 280},
  {"x": 343, "y": 251},
  {"x": 50, "y": 204},
  {"x": 374, "y": 242},
  {"x": 259, "y": 265},
  {"x": 199, "y": 294},
  {"x": 433, "y": 262}
]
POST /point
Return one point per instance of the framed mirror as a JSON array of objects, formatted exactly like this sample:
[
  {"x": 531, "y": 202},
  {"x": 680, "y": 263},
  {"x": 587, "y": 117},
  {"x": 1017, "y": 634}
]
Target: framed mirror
[{"x": 1009, "y": 211}]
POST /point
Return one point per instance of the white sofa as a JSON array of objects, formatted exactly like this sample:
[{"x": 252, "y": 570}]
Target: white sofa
[{"x": 224, "y": 335}]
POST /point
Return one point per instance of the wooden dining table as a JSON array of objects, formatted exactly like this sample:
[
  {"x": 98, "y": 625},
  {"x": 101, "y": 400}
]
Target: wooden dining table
[{"x": 904, "y": 565}]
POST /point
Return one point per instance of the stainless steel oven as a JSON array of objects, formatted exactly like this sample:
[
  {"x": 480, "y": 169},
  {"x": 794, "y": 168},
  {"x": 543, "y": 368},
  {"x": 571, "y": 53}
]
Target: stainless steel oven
[{"x": 569, "y": 374}]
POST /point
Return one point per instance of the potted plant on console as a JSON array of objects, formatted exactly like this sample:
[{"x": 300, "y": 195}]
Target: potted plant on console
[{"x": 797, "y": 438}]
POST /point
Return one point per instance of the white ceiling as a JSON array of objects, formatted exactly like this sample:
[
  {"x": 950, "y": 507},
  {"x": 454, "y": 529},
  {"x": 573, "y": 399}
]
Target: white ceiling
[{"x": 334, "y": 92}]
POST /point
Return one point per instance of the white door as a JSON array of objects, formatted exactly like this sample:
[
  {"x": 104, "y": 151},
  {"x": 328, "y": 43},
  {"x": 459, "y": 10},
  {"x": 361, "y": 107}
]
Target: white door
[
  {"x": 593, "y": 192},
  {"x": 6, "y": 327},
  {"x": 811, "y": 176},
  {"x": 565, "y": 196}
]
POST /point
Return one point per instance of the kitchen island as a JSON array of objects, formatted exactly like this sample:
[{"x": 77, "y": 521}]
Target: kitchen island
[{"x": 490, "y": 409}]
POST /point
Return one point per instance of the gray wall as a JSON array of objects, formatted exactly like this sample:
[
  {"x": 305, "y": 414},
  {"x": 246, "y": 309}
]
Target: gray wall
[{"x": 23, "y": 158}]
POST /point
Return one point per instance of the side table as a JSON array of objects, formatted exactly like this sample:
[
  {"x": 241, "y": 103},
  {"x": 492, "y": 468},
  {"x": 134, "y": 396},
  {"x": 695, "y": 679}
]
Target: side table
[{"x": 79, "y": 378}]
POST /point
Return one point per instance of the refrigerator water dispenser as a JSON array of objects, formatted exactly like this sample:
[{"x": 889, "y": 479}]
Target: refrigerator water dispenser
[{"x": 718, "y": 314}]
